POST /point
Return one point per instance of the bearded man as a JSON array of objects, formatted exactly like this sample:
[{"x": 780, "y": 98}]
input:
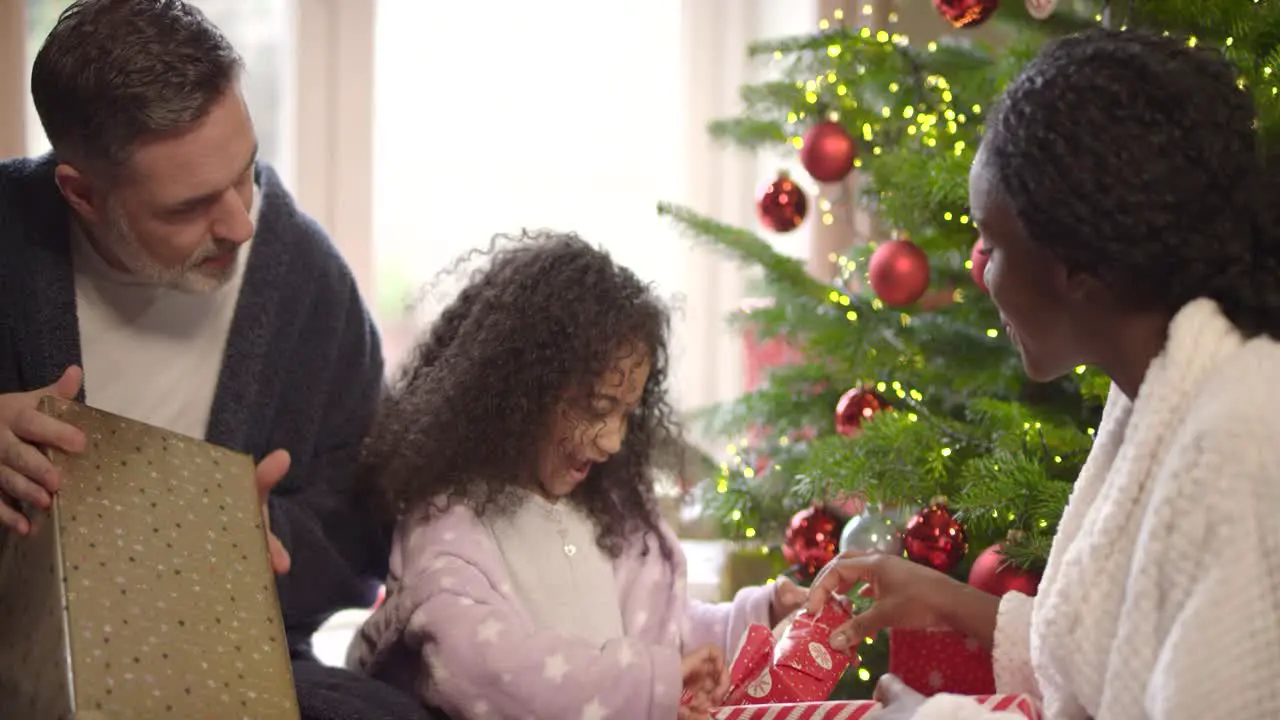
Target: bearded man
[{"x": 154, "y": 267}]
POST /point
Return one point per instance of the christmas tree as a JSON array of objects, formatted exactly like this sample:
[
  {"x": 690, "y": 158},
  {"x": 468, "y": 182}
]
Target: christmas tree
[{"x": 902, "y": 420}]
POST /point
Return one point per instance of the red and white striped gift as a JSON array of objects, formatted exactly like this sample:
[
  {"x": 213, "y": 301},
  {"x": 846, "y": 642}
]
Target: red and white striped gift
[{"x": 860, "y": 709}]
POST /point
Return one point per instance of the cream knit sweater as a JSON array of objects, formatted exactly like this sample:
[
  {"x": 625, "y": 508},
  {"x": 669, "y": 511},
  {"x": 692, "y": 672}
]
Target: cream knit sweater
[{"x": 1162, "y": 595}]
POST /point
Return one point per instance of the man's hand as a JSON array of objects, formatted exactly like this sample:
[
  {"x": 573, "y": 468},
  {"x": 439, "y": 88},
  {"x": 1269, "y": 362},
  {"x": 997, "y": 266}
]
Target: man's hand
[
  {"x": 26, "y": 474},
  {"x": 271, "y": 471}
]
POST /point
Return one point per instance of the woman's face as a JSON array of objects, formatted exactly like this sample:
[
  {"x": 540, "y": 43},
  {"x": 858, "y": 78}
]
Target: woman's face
[
  {"x": 1040, "y": 301},
  {"x": 587, "y": 429}
]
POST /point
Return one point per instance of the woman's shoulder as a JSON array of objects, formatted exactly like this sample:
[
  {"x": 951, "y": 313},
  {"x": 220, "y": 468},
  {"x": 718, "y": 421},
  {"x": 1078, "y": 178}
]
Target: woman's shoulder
[
  {"x": 1242, "y": 394},
  {"x": 1231, "y": 424}
]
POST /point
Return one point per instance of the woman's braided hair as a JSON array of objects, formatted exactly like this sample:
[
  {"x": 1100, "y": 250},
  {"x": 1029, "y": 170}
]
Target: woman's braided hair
[{"x": 1133, "y": 158}]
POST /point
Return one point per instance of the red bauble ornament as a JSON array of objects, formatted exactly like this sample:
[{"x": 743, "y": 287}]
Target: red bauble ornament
[
  {"x": 856, "y": 405},
  {"x": 812, "y": 541},
  {"x": 828, "y": 152},
  {"x": 782, "y": 205},
  {"x": 978, "y": 265},
  {"x": 899, "y": 272},
  {"x": 966, "y": 13},
  {"x": 992, "y": 573},
  {"x": 935, "y": 538}
]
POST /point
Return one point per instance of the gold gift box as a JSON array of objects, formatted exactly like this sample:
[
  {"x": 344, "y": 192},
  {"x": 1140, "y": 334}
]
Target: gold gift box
[{"x": 146, "y": 591}]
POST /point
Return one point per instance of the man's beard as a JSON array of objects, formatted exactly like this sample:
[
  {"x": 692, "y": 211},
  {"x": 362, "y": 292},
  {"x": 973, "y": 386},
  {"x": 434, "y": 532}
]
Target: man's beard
[{"x": 188, "y": 277}]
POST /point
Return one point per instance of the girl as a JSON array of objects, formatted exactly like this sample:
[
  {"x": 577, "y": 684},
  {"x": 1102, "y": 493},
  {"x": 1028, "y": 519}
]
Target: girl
[
  {"x": 1131, "y": 225},
  {"x": 531, "y": 575}
]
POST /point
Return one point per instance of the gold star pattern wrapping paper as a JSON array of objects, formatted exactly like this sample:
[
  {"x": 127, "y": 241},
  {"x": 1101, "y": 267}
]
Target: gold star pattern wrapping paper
[{"x": 146, "y": 590}]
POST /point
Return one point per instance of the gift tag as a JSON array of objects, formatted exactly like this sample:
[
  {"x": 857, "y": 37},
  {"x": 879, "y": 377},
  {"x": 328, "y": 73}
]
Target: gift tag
[{"x": 1041, "y": 9}]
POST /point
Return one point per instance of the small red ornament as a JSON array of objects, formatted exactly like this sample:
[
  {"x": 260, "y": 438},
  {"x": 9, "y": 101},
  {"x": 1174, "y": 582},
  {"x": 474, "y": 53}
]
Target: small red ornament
[
  {"x": 978, "y": 265},
  {"x": 856, "y": 405},
  {"x": 966, "y": 13},
  {"x": 812, "y": 541},
  {"x": 992, "y": 573},
  {"x": 828, "y": 152},
  {"x": 782, "y": 205},
  {"x": 935, "y": 538},
  {"x": 899, "y": 272}
]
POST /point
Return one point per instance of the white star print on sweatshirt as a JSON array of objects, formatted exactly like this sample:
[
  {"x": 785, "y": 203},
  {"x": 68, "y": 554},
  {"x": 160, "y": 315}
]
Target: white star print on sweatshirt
[{"x": 454, "y": 630}]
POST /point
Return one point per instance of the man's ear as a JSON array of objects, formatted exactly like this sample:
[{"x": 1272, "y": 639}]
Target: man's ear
[{"x": 78, "y": 190}]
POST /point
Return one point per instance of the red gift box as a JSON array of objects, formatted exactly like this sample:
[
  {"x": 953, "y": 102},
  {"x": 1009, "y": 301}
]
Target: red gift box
[
  {"x": 936, "y": 661},
  {"x": 860, "y": 709},
  {"x": 763, "y": 354},
  {"x": 801, "y": 667}
]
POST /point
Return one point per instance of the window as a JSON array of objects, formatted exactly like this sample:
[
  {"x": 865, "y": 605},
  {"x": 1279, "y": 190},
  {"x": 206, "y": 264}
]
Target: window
[
  {"x": 493, "y": 117},
  {"x": 262, "y": 30}
]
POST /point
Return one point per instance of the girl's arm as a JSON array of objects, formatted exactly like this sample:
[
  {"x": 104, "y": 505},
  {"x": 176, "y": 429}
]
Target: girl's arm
[
  {"x": 724, "y": 624},
  {"x": 482, "y": 659}
]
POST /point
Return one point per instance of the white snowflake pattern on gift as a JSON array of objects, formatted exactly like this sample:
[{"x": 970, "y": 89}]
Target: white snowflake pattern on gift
[
  {"x": 820, "y": 655},
  {"x": 761, "y": 686},
  {"x": 935, "y": 680}
]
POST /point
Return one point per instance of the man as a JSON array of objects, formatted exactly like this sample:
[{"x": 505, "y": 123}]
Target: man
[{"x": 154, "y": 251}]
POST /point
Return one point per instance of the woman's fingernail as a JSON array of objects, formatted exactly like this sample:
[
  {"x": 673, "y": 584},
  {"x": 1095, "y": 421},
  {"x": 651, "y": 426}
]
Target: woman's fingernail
[{"x": 839, "y": 641}]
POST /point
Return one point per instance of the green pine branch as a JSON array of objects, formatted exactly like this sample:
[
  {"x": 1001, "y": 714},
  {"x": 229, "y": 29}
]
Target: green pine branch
[{"x": 965, "y": 421}]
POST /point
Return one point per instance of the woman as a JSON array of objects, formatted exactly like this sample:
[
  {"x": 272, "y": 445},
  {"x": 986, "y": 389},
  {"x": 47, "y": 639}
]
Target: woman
[{"x": 1132, "y": 226}]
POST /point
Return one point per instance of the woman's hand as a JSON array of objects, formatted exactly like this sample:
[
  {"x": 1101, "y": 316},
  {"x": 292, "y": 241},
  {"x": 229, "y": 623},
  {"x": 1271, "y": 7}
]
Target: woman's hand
[
  {"x": 907, "y": 594},
  {"x": 706, "y": 681},
  {"x": 900, "y": 702},
  {"x": 787, "y": 598}
]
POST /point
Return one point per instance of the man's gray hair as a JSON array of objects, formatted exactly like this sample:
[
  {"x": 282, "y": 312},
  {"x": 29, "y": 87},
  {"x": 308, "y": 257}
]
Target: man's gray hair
[{"x": 115, "y": 72}]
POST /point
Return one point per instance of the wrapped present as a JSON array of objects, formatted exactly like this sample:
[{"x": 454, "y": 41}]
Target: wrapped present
[
  {"x": 764, "y": 354},
  {"x": 860, "y": 709},
  {"x": 145, "y": 591},
  {"x": 934, "y": 661},
  {"x": 799, "y": 667}
]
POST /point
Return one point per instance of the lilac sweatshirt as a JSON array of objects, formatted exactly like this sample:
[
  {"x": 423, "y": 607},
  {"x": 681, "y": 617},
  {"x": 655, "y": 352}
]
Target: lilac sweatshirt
[{"x": 452, "y": 631}]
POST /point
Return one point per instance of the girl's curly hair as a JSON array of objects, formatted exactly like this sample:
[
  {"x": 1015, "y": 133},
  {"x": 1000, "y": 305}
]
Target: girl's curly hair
[{"x": 541, "y": 322}]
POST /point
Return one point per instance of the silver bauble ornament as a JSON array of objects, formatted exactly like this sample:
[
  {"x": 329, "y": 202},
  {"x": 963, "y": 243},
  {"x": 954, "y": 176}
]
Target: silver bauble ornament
[{"x": 877, "y": 529}]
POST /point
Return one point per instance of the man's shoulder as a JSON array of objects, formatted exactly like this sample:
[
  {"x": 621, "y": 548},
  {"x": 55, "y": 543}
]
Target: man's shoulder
[
  {"x": 26, "y": 184},
  {"x": 20, "y": 169},
  {"x": 309, "y": 247}
]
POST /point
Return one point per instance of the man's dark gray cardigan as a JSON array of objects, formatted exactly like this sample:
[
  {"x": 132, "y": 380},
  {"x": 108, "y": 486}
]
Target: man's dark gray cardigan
[{"x": 303, "y": 371}]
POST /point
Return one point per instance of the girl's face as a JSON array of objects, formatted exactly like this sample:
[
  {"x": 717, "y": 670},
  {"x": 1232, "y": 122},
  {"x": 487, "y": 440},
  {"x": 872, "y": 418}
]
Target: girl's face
[
  {"x": 1041, "y": 303},
  {"x": 588, "y": 429}
]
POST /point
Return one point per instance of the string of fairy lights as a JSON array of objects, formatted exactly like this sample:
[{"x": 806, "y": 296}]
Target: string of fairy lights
[
  {"x": 937, "y": 121},
  {"x": 931, "y": 123}
]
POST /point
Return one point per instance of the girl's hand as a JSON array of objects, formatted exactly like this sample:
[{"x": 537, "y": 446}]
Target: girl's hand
[
  {"x": 907, "y": 594},
  {"x": 787, "y": 598},
  {"x": 900, "y": 702},
  {"x": 706, "y": 680}
]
